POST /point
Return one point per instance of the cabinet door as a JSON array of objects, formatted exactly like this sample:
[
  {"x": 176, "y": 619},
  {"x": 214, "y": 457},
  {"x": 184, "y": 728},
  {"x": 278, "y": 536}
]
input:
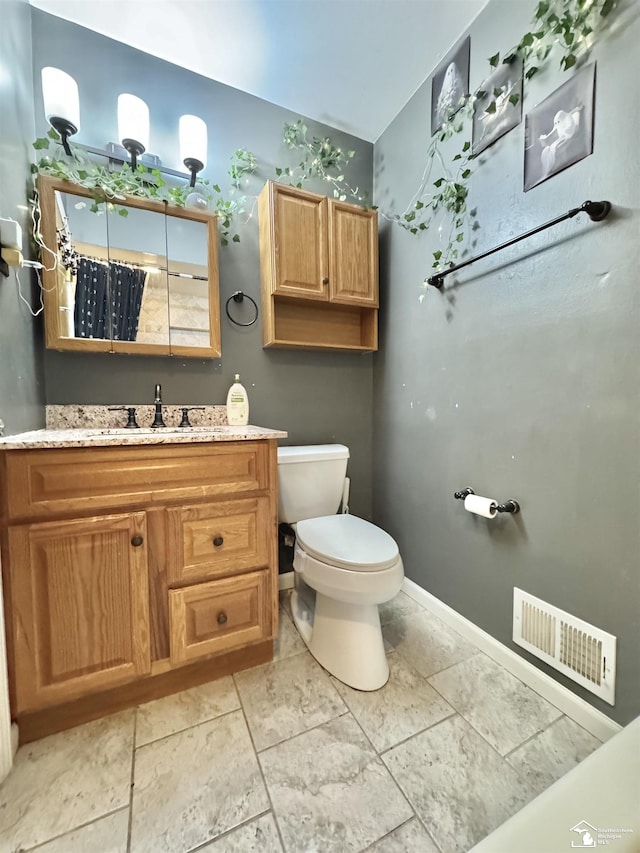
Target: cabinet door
[
  {"x": 80, "y": 599},
  {"x": 300, "y": 238},
  {"x": 353, "y": 249},
  {"x": 220, "y": 615}
]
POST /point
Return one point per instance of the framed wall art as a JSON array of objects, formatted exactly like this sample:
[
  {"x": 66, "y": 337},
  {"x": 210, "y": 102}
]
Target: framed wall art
[
  {"x": 498, "y": 106},
  {"x": 559, "y": 130},
  {"x": 449, "y": 84}
]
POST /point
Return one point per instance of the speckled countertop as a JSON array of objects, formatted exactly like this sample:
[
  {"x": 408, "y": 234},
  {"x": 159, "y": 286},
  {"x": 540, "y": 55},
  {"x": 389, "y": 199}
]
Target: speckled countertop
[{"x": 96, "y": 426}]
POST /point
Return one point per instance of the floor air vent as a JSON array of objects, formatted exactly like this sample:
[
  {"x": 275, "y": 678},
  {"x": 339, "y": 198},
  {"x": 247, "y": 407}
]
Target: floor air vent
[{"x": 583, "y": 653}]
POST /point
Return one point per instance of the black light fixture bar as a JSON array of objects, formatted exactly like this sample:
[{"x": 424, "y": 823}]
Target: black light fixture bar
[
  {"x": 596, "y": 210},
  {"x": 119, "y": 155}
]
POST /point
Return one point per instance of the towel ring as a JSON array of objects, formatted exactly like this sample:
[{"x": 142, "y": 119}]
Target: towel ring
[{"x": 239, "y": 296}]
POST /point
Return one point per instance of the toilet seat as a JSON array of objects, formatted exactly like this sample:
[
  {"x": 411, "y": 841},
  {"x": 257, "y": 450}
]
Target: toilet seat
[{"x": 347, "y": 542}]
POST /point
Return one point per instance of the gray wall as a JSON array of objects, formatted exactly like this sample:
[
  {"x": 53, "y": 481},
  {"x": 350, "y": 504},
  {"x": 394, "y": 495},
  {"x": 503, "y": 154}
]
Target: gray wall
[
  {"x": 522, "y": 379},
  {"x": 21, "y": 373},
  {"x": 317, "y": 397}
]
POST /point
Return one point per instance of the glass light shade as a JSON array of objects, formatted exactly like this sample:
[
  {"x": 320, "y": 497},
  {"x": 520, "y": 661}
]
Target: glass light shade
[
  {"x": 60, "y": 96},
  {"x": 193, "y": 139},
  {"x": 133, "y": 119}
]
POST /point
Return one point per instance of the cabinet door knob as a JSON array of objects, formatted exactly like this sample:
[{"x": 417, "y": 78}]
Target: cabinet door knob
[
  {"x": 217, "y": 541},
  {"x": 137, "y": 540},
  {"x": 325, "y": 280},
  {"x": 222, "y": 617}
]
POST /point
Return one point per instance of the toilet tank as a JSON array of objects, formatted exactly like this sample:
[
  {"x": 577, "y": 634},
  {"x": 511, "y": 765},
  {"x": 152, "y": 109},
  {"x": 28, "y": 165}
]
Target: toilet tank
[{"x": 310, "y": 480}]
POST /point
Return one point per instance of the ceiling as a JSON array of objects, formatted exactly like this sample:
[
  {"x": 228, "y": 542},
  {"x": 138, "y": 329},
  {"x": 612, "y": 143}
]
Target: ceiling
[{"x": 352, "y": 64}]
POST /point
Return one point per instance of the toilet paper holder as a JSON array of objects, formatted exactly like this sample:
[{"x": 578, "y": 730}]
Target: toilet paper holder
[{"x": 508, "y": 506}]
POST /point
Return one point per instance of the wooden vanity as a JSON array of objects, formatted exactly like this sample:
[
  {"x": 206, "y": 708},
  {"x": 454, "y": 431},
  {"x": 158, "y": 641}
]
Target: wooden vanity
[{"x": 133, "y": 570}]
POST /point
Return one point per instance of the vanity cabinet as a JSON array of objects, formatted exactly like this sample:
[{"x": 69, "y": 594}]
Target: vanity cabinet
[
  {"x": 319, "y": 271},
  {"x": 146, "y": 567}
]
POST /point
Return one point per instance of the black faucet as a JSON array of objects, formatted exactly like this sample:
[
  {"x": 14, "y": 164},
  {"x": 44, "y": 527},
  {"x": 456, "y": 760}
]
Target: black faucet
[{"x": 157, "y": 420}]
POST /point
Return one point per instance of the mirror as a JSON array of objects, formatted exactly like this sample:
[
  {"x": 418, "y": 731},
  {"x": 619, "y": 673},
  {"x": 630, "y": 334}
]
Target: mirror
[{"x": 145, "y": 282}]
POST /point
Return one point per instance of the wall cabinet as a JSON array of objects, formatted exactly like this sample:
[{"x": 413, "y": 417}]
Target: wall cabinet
[
  {"x": 319, "y": 271},
  {"x": 185, "y": 571}
]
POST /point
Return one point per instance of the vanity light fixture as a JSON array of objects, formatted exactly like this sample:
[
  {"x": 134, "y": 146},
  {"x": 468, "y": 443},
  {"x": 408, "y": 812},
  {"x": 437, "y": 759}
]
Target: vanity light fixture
[
  {"x": 193, "y": 144},
  {"x": 61, "y": 103},
  {"x": 133, "y": 126}
]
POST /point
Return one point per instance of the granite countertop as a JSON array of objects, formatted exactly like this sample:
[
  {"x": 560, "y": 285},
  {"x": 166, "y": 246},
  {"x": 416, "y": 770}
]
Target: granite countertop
[{"x": 105, "y": 437}]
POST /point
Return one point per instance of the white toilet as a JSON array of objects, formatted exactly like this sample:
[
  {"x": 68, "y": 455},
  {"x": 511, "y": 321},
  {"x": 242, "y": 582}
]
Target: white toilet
[{"x": 344, "y": 566}]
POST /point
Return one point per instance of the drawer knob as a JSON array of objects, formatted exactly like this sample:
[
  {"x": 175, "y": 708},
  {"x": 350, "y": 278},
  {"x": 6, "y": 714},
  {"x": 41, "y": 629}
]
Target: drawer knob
[
  {"x": 325, "y": 280},
  {"x": 217, "y": 541},
  {"x": 136, "y": 541},
  {"x": 222, "y": 617}
]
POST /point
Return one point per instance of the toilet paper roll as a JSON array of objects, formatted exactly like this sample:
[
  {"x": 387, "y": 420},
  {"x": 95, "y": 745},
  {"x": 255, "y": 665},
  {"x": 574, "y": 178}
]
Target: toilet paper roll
[{"x": 486, "y": 507}]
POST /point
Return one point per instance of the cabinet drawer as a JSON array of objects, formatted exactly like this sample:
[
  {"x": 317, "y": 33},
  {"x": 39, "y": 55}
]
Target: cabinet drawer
[
  {"x": 45, "y": 483},
  {"x": 211, "y": 540},
  {"x": 219, "y": 616}
]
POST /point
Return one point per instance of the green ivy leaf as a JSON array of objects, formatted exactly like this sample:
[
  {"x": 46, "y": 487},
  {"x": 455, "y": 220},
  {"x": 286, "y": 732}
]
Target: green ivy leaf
[
  {"x": 569, "y": 61},
  {"x": 466, "y": 146},
  {"x": 419, "y": 205},
  {"x": 53, "y": 134},
  {"x": 459, "y": 238},
  {"x": 494, "y": 60},
  {"x": 491, "y": 108},
  {"x": 41, "y": 143},
  {"x": 236, "y": 238},
  {"x": 466, "y": 173},
  {"x": 278, "y": 171},
  {"x": 439, "y": 182},
  {"x": 409, "y": 217},
  {"x": 224, "y": 241},
  {"x": 607, "y": 6},
  {"x": 531, "y": 71},
  {"x": 413, "y": 230},
  {"x": 513, "y": 99},
  {"x": 122, "y": 211},
  {"x": 527, "y": 40},
  {"x": 437, "y": 255}
]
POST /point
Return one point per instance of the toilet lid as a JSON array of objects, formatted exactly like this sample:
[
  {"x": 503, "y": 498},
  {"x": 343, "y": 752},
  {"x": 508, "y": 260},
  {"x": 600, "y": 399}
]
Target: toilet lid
[{"x": 348, "y": 542}]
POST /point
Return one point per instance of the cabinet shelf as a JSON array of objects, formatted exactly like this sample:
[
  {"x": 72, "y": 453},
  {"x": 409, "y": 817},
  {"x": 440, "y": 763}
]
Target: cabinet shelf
[{"x": 301, "y": 323}]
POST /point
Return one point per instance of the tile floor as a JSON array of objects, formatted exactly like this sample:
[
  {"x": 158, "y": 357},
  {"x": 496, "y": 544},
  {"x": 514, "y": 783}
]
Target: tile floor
[{"x": 286, "y": 758}]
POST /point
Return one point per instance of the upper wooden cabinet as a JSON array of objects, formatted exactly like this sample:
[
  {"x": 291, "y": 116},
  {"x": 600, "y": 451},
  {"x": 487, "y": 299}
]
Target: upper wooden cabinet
[{"x": 319, "y": 271}]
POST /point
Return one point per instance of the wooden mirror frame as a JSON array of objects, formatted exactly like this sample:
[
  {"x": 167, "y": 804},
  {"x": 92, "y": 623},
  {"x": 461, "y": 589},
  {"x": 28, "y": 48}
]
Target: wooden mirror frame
[{"x": 54, "y": 339}]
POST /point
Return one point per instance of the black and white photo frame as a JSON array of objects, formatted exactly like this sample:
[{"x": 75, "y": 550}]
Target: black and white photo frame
[
  {"x": 498, "y": 105},
  {"x": 450, "y": 84},
  {"x": 559, "y": 130}
]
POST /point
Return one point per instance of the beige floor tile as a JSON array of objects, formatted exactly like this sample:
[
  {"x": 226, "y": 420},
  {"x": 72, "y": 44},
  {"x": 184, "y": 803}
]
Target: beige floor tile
[
  {"x": 426, "y": 642},
  {"x": 552, "y": 753},
  {"x": 105, "y": 835},
  {"x": 195, "y": 785},
  {"x": 285, "y": 698},
  {"x": 498, "y": 705},
  {"x": 411, "y": 836},
  {"x": 66, "y": 780},
  {"x": 182, "y": 710},
  {"x": 401, "y": 605},
  {"x": 459, "y": 786},
  {"x": 406, "y": 705},
  {"x": 330, "y": 792},
  {"x": 289, "y": 642},
  {"x": 259, "y": 836}
]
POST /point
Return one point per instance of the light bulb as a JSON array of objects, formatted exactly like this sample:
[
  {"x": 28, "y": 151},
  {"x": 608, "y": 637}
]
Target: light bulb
[
  {"x": 60, "y": 96},
  {"x": 133, "y": 121},
  {"x": 193, "y": 139}
]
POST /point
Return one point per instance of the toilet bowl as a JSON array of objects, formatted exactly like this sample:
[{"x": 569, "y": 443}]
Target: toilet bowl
[{"x": 344, "y": 567}]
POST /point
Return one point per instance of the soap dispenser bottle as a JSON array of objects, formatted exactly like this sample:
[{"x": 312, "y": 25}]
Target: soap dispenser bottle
[{"x": 237, "y": 404}]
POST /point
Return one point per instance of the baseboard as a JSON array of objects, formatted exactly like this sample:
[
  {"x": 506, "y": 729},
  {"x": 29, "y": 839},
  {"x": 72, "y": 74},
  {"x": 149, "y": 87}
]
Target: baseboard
[
  {"x": 573, "y": 706},
  {"x": 285, "y": 580}
]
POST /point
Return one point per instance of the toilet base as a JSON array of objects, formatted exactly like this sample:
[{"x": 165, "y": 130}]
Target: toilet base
[{"x": 346, "y": 639}]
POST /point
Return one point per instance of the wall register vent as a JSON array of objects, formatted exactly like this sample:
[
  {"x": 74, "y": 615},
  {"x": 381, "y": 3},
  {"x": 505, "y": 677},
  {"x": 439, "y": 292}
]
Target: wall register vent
[{"x": 582, "y": 652}]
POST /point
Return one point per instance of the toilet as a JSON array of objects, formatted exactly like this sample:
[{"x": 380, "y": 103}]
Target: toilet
[{"x": 344, "y": 566}]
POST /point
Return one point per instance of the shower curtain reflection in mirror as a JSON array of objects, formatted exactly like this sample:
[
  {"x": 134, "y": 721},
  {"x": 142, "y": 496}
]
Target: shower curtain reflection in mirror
[{"x": 107, "y": 301}]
